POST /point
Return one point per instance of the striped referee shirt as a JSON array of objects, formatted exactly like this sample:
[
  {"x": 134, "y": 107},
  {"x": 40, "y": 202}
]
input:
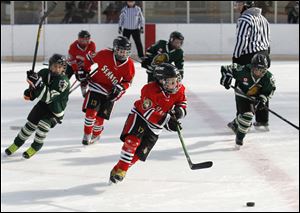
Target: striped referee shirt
[
  {"x": 253, "y": 33},
  {"x": 131, "y": 18}
]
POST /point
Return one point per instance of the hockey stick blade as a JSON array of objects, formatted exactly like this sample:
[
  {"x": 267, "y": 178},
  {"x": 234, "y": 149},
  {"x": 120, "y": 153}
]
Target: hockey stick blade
[{"x": 203, "y": 165}]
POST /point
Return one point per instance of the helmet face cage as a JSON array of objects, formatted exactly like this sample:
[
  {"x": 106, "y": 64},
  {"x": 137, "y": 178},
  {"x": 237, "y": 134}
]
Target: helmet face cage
[
  {"x": 57, "y": 59},
  {"x": 168, "y": 77},
  {"x": 122, "y": 48},
  {"x": 84, "y": 34},
  {"x": 171, "y": 85},
  {"x": 259, "y": 64},
  {"x": 84, "y": 37}
]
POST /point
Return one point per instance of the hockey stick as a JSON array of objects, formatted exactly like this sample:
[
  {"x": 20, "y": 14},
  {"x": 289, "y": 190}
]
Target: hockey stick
[
  {"x": 73, "y": 84},
  {"x": 50, "y": 9},
  {"x": 89, "y": 75},
  {"x": 267, "y": 108},
  {"x": 202, "y": 165}
]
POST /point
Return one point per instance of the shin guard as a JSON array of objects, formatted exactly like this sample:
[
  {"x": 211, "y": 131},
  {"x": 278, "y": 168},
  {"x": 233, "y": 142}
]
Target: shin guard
[
  {"x": 90, "y": 117},
  {"x": 127, "y": 153}
]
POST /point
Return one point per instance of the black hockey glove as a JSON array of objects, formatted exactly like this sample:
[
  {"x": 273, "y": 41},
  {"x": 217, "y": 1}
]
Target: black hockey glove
[
  {"x": 82, "y": 76},
  {"x": 260, "y": 102},
  {"x": 177, "y": 112},
  {"x": 28, "y": 95},
  {"x": 226, "y": 78},
  {"x": 146, "y": 64},
  {"x": 116, "y": 93},
  {"x": 34, "y": 80},
  {"x": 172, "y": 125},
  {"x": 54, "y": 121}
]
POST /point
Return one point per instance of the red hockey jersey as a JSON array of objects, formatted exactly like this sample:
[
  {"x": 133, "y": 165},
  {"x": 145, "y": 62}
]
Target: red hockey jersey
[
  {"x": 154, "y": 105},
  {"x": 77, "y": 55},
  {"x": 110, "y": 73}
]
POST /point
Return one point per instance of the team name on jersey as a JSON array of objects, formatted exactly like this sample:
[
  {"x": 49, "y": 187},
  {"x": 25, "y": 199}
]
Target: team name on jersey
[{"x": 110, "y": 75}]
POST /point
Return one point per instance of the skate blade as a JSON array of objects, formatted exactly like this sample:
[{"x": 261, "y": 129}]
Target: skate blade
[
  {"x": 262, "y": 128},
  {"x": 237, "y": 147}
]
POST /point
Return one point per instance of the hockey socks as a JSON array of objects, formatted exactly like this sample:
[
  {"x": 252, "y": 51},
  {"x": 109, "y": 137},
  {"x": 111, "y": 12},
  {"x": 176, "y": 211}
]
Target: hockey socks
[
  {"x": 97, "y": 129},
  {"x": 22, "y": 136},
  {"x": 40, "y": 135},
  {"x": 90, "y": 118},
  {"x": 127, "y": 156}
]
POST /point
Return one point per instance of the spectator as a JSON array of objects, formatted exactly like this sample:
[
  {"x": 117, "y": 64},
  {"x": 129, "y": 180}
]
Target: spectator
[
  {"x": 292, "y": 10},
  {"x": 112, "y": 12},
  {"x": 70, "y": 8},
  {"x": 266, "y": 7}
]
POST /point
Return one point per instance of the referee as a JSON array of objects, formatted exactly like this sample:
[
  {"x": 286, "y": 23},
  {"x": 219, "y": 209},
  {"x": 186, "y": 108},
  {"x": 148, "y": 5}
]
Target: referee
[
  {"x": 253, "y": 36},
  {"x": 132, "y": 22}
]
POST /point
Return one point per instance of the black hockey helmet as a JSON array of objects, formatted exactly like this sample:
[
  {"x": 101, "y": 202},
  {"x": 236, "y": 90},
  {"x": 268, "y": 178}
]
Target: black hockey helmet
[
  {"x": 58, "y": 59},
  {"x": 121, "y": 48},
  {"x": 163, "y": 73},
  {"x": 176, "y": 35},
  {"x": 260, "y": 62},
  {"x": 84, "y": 34}
]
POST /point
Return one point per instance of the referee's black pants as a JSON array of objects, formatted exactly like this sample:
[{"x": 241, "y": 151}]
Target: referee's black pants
[
  {"x": 136, "y": 35},
  {"x": 263, "y": 114}
]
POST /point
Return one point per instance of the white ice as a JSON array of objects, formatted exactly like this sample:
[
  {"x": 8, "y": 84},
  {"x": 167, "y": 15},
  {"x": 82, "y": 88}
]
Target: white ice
[{"x": 65, "y": 176}]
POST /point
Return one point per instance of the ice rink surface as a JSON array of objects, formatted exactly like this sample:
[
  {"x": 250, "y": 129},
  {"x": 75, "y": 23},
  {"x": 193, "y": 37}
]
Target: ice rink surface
[{"x": 65, "y": 176}]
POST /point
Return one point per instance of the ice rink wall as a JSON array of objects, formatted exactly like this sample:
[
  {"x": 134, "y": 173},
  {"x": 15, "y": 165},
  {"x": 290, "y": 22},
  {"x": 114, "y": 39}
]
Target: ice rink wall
[{"x": 202, "y": 41}]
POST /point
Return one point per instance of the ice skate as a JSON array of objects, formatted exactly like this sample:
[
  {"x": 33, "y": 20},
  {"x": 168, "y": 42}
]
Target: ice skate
[
  {"x": 116, "y": 175},
  {"x": 11, "y": 149},
  {"x": 261, "y": 126},
  {"x": 238, "y": 143},
  {"x": 95, "y": 139},
  {"x": 86, "y": 139},
  {"x": 233, "y": 126},
  {"x": 29, "y": 153}
]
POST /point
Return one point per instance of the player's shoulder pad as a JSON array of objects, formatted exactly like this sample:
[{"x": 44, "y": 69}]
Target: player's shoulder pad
[
  {"x": 44, "y": 71},
  {"x": 270, "y": 76},
  {"x": 179, "y": 51},
  {"x": 106, "y": 50},
  {"x": 163, "y": 42},
  {"x": 152, "y": 86},
  {"x": 74, "y": 43},
  {"x": 182, "y": 89},
  {"x": 92, "y": 43}
]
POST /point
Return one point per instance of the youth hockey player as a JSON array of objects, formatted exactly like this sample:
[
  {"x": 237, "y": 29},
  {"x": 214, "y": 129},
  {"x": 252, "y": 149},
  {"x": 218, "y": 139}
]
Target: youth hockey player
[
  {"x": 252, "y": 36},
  {"x": 165, "y": 52},
  {"x": 162, "y": 104},
  {"x": 51, "y": 87},
  {"x": 254, "y": 86},
  {"x": 115, "y": 74},
  {"x": 77, "y": 58}
]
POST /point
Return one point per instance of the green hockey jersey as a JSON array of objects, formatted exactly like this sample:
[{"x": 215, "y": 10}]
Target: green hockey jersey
[
  {"x": 160, "y": 53},
  {"x": 247, "y": 85},
  {"x": 55, "y": 92}
]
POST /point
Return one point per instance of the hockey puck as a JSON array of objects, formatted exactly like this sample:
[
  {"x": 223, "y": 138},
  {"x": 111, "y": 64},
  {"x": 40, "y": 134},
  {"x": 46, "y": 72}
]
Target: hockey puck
[{"x": 250, "y": 204}]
